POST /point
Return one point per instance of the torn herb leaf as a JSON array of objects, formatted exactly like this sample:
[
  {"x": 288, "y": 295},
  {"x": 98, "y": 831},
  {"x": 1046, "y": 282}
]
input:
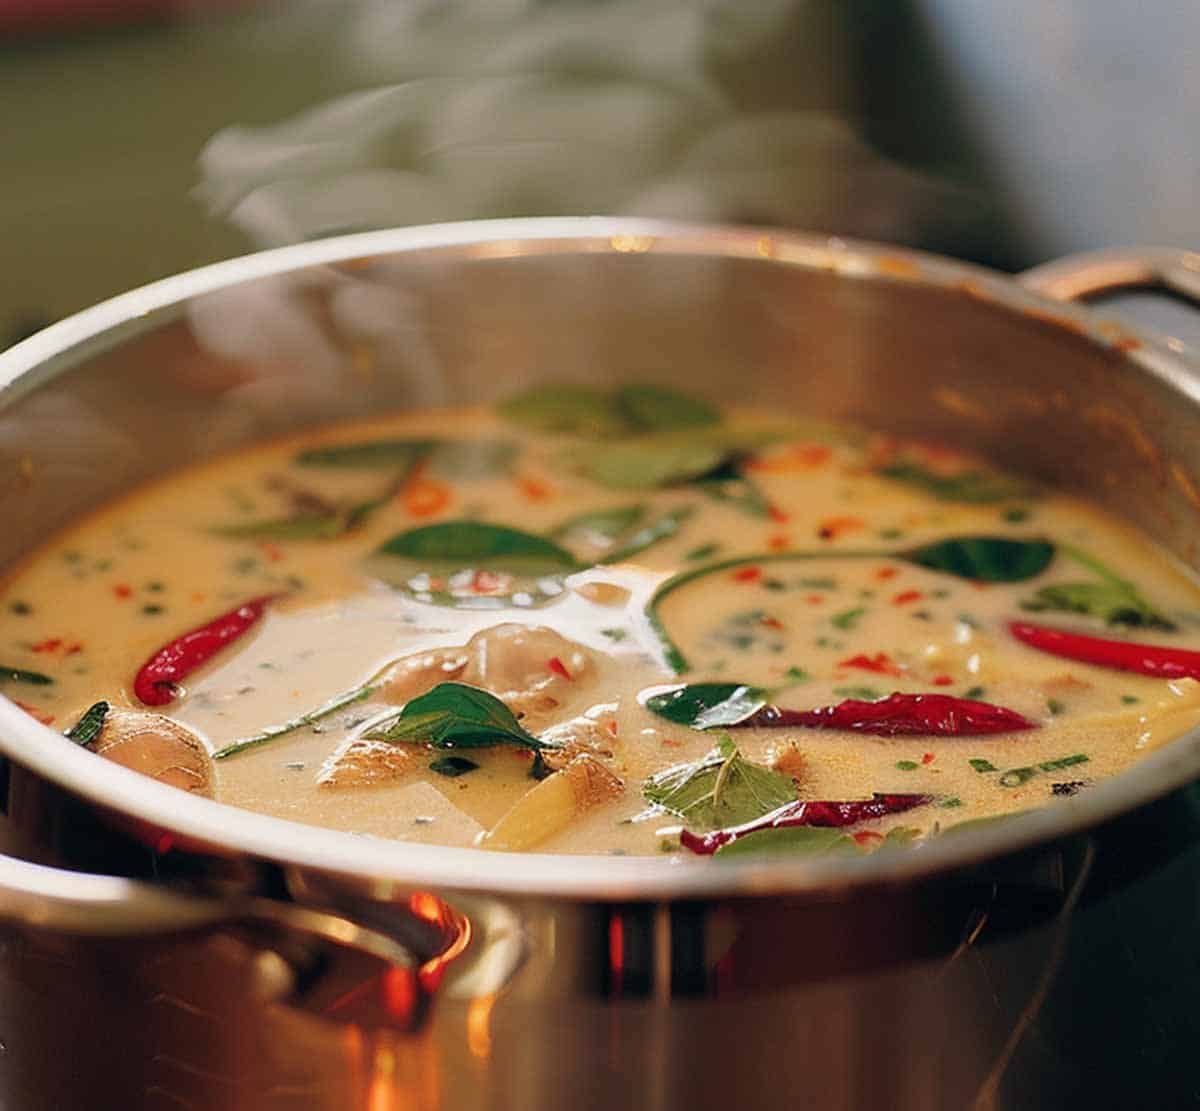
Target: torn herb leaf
[
  {"x": 984, "y": 558},
  {"x": 1114, "y": 603},
  {"x": 706, "y": 705},
  {"x": 88, "y": 727},
  {"x": 654, "y": 408},
  {"x": 721, "y": 789},
  {"x": 22, "y": 675},
  {"x": 976, "y": 487},
  {"x": 456, "y": 715},
  {"x": 452, "y": 766}
]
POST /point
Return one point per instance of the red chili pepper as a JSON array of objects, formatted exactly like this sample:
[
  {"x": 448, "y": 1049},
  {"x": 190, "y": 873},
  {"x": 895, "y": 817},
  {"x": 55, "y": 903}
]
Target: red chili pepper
[
  {"x": 881, "y": 663},
  {"x": 827, "y": 814},
  {"x": 747, "y": 575},
  {"x": 157, "y": 680},
  {"x": 1123, "y": 655},
  {"x": 911, "y": 715},
  {"x": 906, "y": 596}
]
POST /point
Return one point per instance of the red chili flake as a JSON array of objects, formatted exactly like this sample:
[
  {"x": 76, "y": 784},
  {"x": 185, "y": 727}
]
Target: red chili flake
[
  {"x": 886, "y": 573},
  {"x": 489, "y": 582},
  {"x": 671, "y": 742},
  {"x": 833, "y": 527},
  {"x": 425, "y": 497},
  {"x": 747, "y": 575},
  {"x": 779, "y": 542},
  {"x": 814, "y": 599},
  {"x": 34, "y": 712},
  {"x": 73, "y": 647},
  {"x": 928, "y": 758},
  {"x": 611, "y": 726},
  {"x": 943, "y": 680},
  {"x": 906, "y": 596},
  {"x": 771, "y": 622},
  {"x": 881, "y": 663},
  {"x": 535, "y": 489},
  {"x": 273, "y": 552},
  {"x": 778, "y": 515},
  {"x": 50, "y": 644},
  {"x": 123, "y": 590},
  {"x": 558, "y": 667},
  {"x": 867, "y": 837}
]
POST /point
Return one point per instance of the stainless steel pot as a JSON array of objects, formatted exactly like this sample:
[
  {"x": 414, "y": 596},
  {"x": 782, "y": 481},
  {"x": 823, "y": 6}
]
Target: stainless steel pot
[{"x": 224, "y": 959}]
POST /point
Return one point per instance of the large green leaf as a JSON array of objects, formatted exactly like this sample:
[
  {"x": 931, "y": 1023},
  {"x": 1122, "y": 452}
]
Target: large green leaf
[
  {"x": 1112, "y": 603},
  {"x": 984, "y": 558},
  {"x": 455, "y": 715},
  {"x": 792, "y": 841},
  {"x": 707, "y": 705},
  {"x": 583, "y": 410},
  {"x": 720, "y": 790},
  {"x": 441, "y": 564},
  {"x": 647, "y": 463},
  {"x": 974, "y": 486},
  {"x": 657, "y": 407}
]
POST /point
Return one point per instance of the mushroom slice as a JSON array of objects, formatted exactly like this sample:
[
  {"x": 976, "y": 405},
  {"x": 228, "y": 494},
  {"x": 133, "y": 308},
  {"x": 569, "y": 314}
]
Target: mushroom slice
[
  {"x": 530, "y": 668},
  {"x": 361, "y": 762},
  {"x": 159, "y": 747},
  {"x": 415, "y": 675},
  {"x": 553, "y": 804}
]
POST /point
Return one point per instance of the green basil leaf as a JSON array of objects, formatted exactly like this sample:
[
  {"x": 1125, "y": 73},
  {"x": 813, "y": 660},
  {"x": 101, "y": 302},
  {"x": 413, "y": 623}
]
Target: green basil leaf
[
  {"x": 368, "y": 454},
  {"x": 976, "y": 487},
  {"x": 455, "y": 715},
  {"x": 727, "y": 484},
  {"x": 88, "y": 727},
  {"x": 721, "y": 789},
  {"x": 1115, "y": 603},
  {"x": 658, "y": 407},
  {"x": 659, "y": 529},
  {"x": 582, "y": 410},
  {"x": 793, "y": 840},
  {"x": 707, "y": 705},
  {"x": 439, "y": 563},
  {"x": 984, "y": 558},
  {"x": 21, "y": 675},
  {"x": 645, "y": 464},
  {"x": 601, "y": 527}
]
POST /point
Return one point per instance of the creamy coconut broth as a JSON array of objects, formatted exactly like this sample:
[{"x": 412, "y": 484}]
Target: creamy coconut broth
[{"x": 699, "y": 620}]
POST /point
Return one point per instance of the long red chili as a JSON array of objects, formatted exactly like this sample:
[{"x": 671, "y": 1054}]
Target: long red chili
[
  {"x": 910, "y": 715},
  {"x": 829, "y": 814},
  {"x": 1123, "y": 655},
  {"x": 157, "y": 681}
]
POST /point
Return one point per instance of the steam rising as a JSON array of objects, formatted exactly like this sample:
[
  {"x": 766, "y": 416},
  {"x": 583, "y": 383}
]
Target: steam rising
[{"x": 491, "y": 108}]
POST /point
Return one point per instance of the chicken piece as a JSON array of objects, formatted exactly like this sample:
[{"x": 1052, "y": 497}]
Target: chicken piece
[
  {"x": 362, "y": 762},
  {"x": 591, "y": 734},
  {"x": 553, "y": 804},
  {"x": 159, "y": 747},
  {"x": 530, "y": 668},
  {"x": 415, "y": 675}
]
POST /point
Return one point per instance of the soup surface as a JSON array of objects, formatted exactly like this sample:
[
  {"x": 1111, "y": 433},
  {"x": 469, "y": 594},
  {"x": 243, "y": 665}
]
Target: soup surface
[{"x": 608, "y": 622}]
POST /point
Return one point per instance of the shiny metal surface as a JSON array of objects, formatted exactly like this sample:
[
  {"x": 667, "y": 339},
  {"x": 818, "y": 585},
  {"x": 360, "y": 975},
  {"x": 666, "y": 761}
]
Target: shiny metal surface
[
  {"x": 1096, "y": 273},
  {"x": 908, "y": 982}
]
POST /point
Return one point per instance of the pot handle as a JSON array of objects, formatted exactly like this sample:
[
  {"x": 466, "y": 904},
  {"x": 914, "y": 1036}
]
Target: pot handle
[{"x": 1093, "y": 274}]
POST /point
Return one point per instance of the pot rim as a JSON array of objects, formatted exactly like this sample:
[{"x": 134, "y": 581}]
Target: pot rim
[{"x": 42, "y": 750}]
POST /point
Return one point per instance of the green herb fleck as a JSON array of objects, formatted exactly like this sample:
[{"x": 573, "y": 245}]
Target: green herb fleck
[
  {"x": 615, "y": 634},
  {"x": 88, "y": 727},
  {"x": 1130, "y": 699},
  {"x": 847, "y": 619},
  {"x": 705, "y": 551},
  {"x": 907, "y": 765},
  {"x": 21, "y": 675},
  {"x": 974, "y": 693},
  {"x": 1055, "y": 706},
  {"x": 981, "y": 765},
  {"x": 1016, "y": 515},
  {"x": 151, "y": 609},
  {"x": 949, "y": 803},
  {"x": 795, "y": 674},
  {"x": 21, "y": 609},
  {"x": 869, "y": 694},
  {"x": 1063, "y": 762},
  {"x": 453, "y": 766}
]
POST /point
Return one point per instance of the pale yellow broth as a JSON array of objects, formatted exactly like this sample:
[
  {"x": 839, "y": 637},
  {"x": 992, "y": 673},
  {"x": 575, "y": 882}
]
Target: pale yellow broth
[{"x": 95, "y": 602}]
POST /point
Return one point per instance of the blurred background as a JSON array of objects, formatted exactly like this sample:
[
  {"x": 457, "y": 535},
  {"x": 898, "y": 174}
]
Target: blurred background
[{"x": 143, "y": 137}]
